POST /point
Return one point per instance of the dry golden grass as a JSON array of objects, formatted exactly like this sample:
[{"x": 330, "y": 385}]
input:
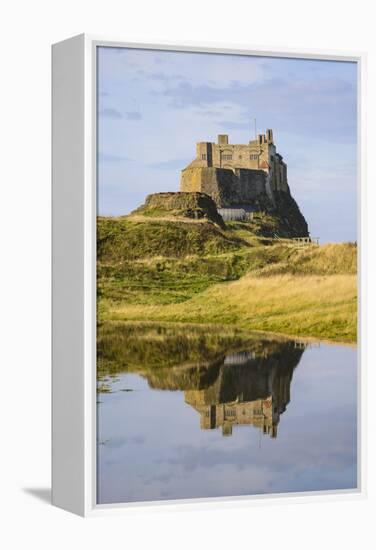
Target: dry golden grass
[
  {"x": 323, "y": 306},
  {"x": 165, "y": 270}
]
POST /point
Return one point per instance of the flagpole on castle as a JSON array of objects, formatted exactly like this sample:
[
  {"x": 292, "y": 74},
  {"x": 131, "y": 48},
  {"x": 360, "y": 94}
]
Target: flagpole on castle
[{"x": 255, "y": 129}]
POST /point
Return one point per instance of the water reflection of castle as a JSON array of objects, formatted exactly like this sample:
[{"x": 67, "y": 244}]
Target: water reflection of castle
[
  {"x": 249, "y": 390},
  {"x": 245, "y": 388}
]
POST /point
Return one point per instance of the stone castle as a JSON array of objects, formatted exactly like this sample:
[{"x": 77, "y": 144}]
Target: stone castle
[
  {"x": 249, "y": 177},
  {"x": 248, "y": 391},
  {"x": 243, "y": 388}
]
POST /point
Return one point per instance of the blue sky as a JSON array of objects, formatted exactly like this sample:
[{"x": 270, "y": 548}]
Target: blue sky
[{"x": 153, "y": 106}]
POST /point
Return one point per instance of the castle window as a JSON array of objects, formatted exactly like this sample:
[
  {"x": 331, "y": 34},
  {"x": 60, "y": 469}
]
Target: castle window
[
  {"x": 226, "y": 157},
  {"x": 253, "y": 157},
  {"x": 203, "y": 157}
]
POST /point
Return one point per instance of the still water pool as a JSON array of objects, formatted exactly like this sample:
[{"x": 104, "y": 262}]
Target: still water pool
[{"x": 189, "y": 418}]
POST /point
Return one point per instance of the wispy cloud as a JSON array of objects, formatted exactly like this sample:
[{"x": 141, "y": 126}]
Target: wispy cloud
[
  {"x": 111, "y": 113},
  {"x": 325, "y": 108},
  {"x": 115, "y": 114},
  {"x": 108, "y": 157},
  {"x": 133, "y": 115},
  {"x": 173, "y": 164}
]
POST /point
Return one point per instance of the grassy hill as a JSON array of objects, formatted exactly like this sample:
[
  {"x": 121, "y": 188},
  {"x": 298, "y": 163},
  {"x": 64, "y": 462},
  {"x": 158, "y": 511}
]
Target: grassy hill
[
  {"x": 174, "y": 268},
  {"x": 120, "y": 238}
]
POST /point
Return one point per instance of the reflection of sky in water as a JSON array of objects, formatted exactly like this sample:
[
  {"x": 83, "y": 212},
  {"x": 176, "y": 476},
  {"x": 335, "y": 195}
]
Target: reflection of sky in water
[{"x": 152, "y": 446}]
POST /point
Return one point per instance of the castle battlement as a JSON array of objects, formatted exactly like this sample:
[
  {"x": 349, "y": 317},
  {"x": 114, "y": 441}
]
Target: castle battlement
[{"x": 258, "y": 154}]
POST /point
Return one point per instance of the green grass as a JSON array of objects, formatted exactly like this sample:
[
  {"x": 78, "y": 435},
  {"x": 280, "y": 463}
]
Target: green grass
[
  {"x": 318, "y": 306},
  {"x": 263, "y": 225},
  {"x": 197, "y": 273},
  {"x": 164, "y": 280},
  {"x": 123, "y": 239}
]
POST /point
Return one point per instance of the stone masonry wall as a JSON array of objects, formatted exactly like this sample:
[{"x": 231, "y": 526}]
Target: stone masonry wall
[
  {"x": 226, "y": 187},
  {"x": 258, "y": 154}
]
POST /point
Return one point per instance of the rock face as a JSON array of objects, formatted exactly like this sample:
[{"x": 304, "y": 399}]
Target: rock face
[
  {"x": 250, "y": 189},
  {"x": 291, "y": 219},
  {"x": 197, "y": 206}
]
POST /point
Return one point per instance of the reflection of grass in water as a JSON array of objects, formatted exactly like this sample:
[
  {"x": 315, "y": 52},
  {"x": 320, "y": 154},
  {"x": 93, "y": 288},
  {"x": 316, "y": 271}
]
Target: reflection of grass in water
[
  {"x": 191, "y": 357},
  {"x": 141, "y": 346},
  {"x": 104, "y": 388}
]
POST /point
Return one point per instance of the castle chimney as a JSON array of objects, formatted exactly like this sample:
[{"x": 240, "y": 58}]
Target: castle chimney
[
  {"x": 223, "y": 139},
  {"x": 269, "y": 135}
]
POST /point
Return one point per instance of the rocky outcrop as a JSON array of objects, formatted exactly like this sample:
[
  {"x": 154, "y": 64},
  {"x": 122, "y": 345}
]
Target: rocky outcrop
[
  {"x": 292, "y": 221},
  {"x": 197, "y": 206},
  {"x": 249, "y": 189}
]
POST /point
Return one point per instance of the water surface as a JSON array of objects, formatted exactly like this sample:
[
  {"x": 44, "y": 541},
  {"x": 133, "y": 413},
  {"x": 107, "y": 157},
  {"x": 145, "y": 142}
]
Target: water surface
[{"x": 186, "y": 413}]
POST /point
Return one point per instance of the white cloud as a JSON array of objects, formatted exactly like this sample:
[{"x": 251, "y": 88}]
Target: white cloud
[{"x": 311, "y": 107}]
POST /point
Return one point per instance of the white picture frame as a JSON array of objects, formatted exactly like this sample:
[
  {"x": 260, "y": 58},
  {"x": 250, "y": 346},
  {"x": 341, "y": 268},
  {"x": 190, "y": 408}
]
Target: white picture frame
[{"x": 74, "y": 274}]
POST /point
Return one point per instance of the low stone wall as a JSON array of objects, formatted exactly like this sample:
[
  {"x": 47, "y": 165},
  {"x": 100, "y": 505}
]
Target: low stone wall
[{"x": 235, "y": 214}]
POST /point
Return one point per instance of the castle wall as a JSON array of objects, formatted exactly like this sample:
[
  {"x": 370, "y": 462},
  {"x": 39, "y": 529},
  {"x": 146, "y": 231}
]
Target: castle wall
[
  {"x": 258, "y": 413},
  {"x": 227, "y": 187},
  {"x": 226, "y": 155},
  {"x": 249, "y": 184}
]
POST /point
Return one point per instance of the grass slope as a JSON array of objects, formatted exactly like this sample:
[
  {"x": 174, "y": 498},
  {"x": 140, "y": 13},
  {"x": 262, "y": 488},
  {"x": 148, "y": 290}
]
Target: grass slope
[
  {"x": 122, "y": 238},
  {"x": 323, "y": 307},
  {"x": 195, "y": 272}
]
